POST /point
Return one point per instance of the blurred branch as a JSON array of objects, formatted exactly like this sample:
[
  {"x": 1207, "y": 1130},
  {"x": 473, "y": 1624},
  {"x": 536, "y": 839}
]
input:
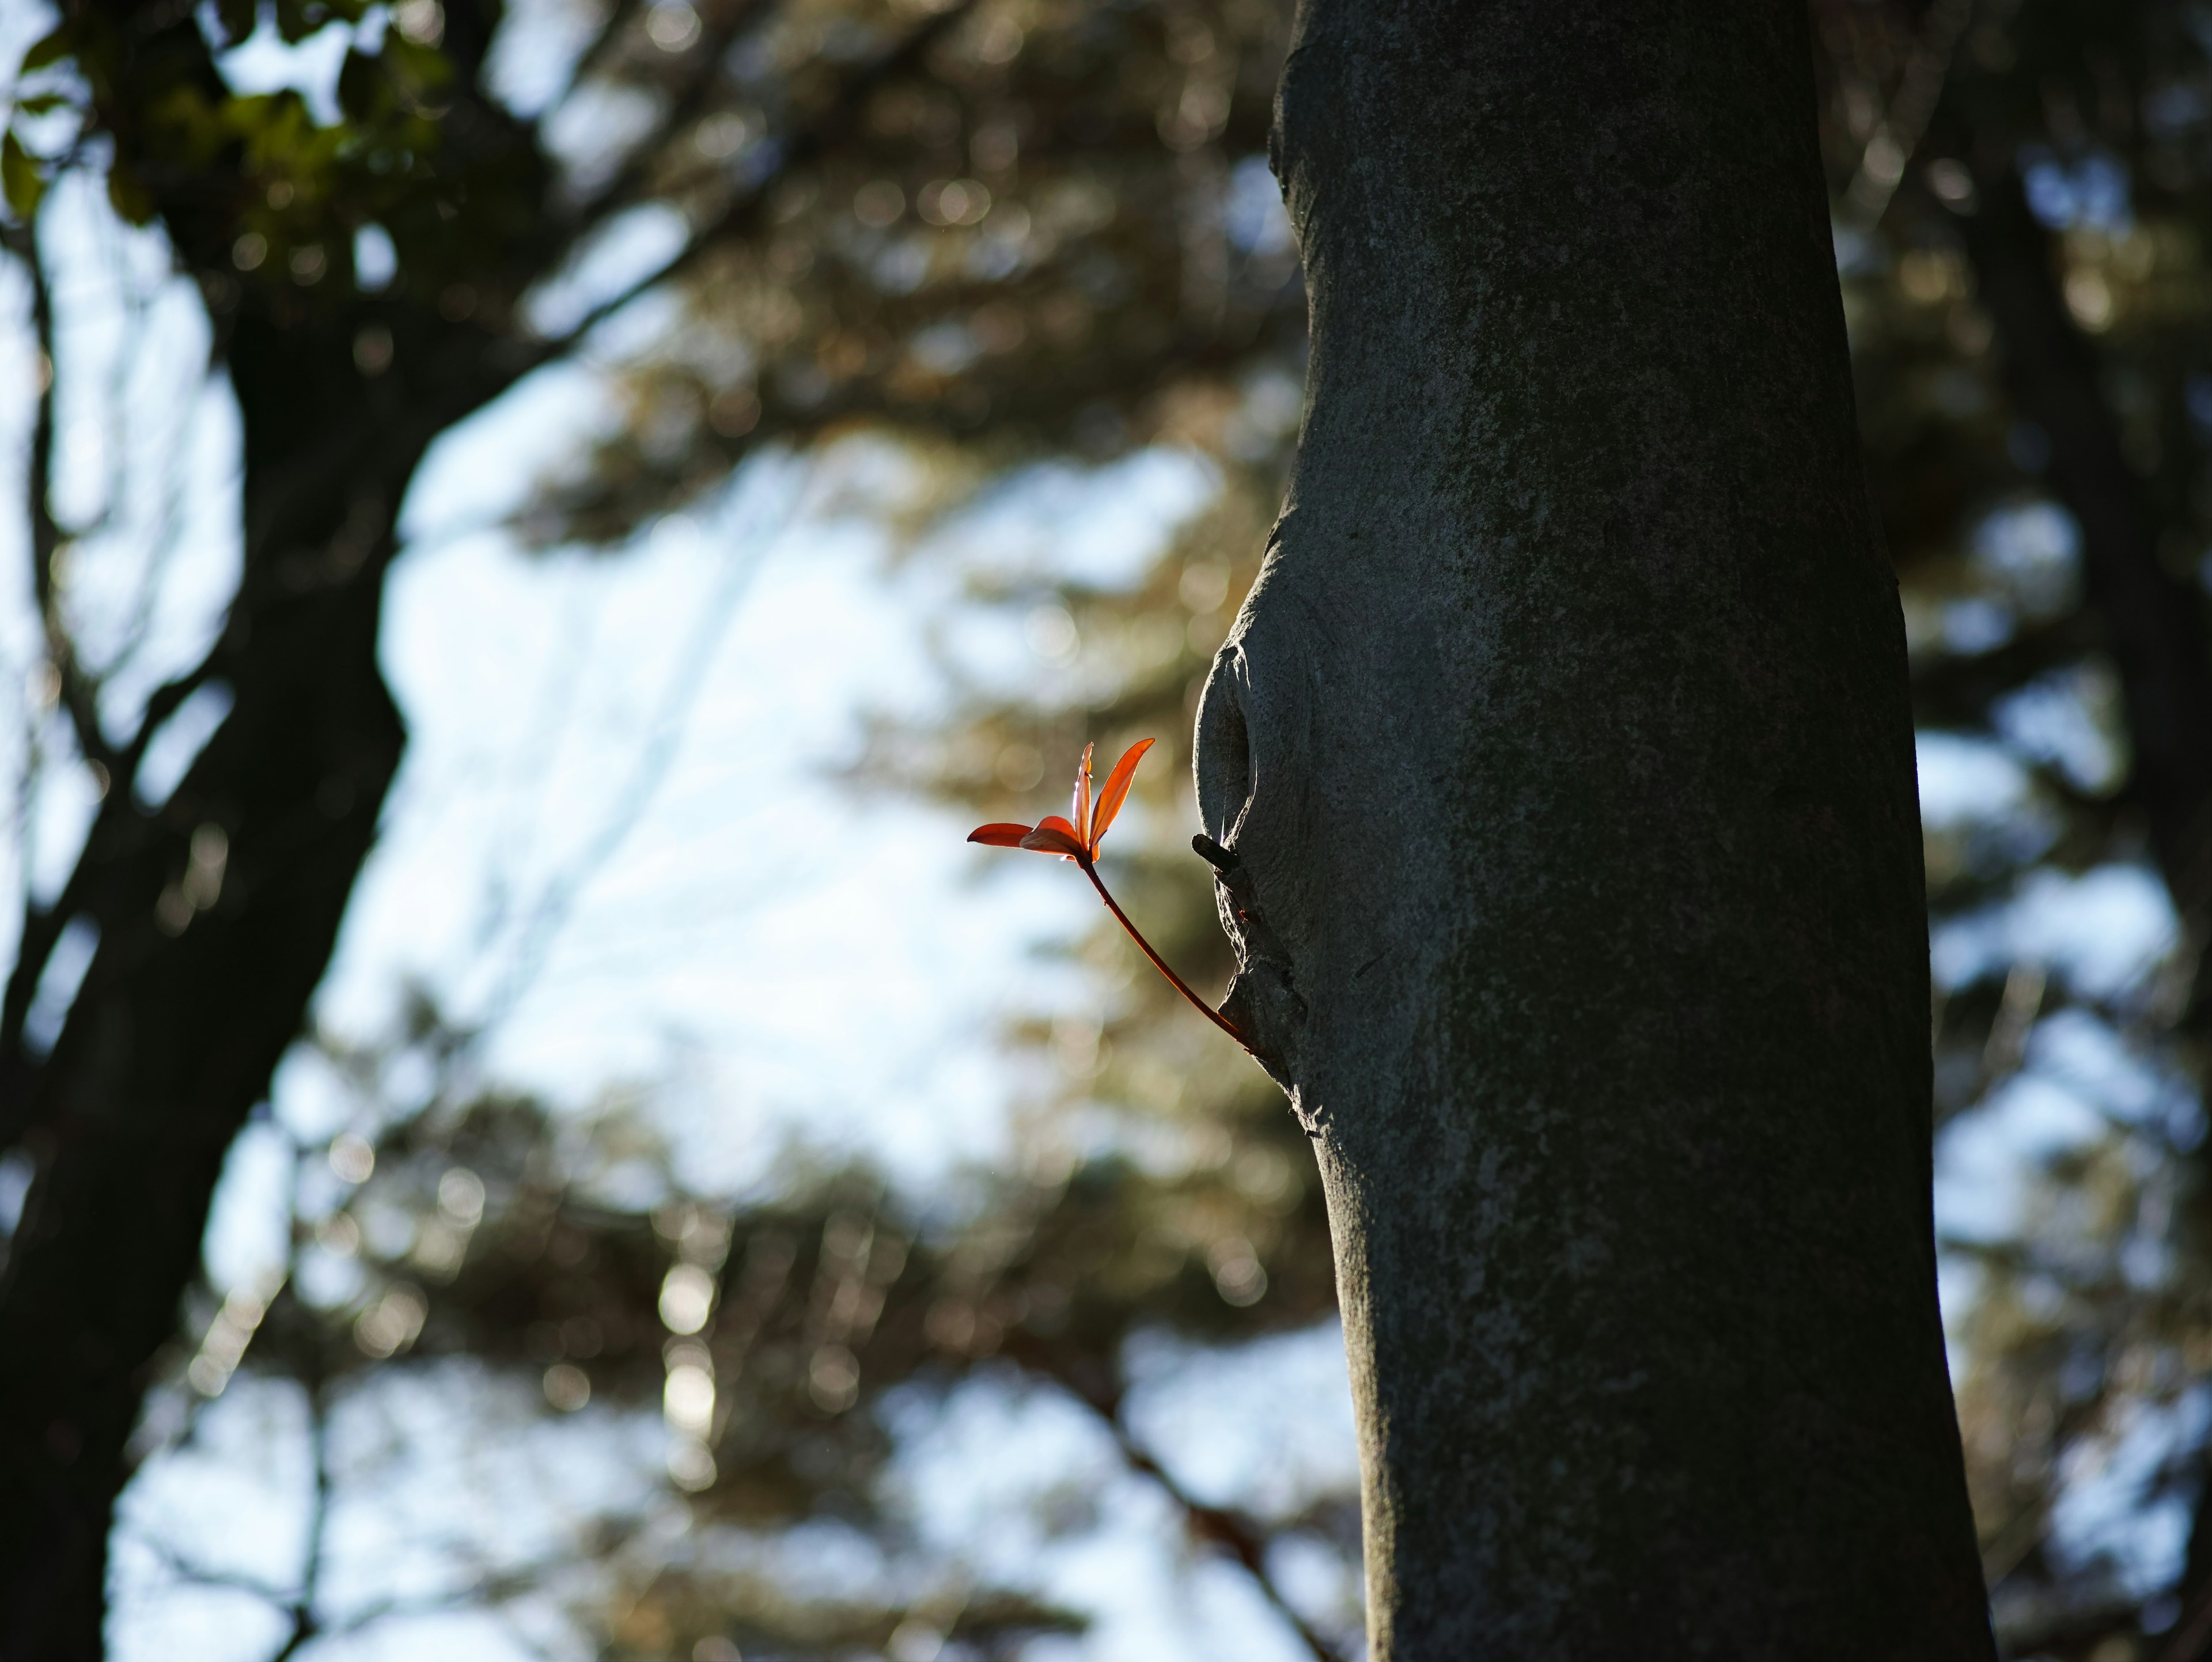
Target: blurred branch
[
  {"x": 78, "y": 694},
  {"x": 594, "y": 57},
  {"x": 1242, "y": 1536},
  {"x": 664, "y": 733},
  {"x": 41, "y": 926},
  {"x": 491, "y": 1589},
  {"x": 167, "y": 535},
  {"x": 1897, "y": 136},
  {"x": 689, "y": 104},
  {"x": 833, "y": 123},
  {"x": 201, "y": 1575},
  {"x": 162, "y": 704},
  {"x": 2152, "y": 620},
  {"x": 314, "y": 1379},
  {"x": 77, "y": 690}
]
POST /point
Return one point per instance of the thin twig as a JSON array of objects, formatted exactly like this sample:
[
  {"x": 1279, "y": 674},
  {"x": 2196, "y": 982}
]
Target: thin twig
[
  {"x": 205, "y": 1575},
  {"x": 1160, "y": 964},
  {"x": 79, "y": 693},
  {"x": 314, "y": 1379},
  {"x": 1243, "y": 1539},
  {"x": 663, "y": 735}
]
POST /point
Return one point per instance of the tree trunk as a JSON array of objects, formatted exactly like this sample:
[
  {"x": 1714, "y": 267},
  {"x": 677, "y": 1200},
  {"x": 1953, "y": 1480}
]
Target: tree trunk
[
  {"x": 175, "y": 1031},
  {"x": 1565, "y": 750},
  {"x": 173, "y": 1037},
  {"x": 186, "y": 1009}
]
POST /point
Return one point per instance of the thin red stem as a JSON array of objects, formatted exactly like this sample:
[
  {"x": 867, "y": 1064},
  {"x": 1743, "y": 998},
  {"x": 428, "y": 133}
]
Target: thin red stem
[{"x": 1161, "y": 964}]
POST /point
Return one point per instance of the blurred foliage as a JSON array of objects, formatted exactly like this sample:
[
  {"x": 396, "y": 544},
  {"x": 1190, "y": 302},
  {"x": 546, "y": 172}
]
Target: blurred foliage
[
  {"x": 2079, "y": 1333},
  {"x": 1000, "y": 228},
  {"x": 1057, "y": 233},
  {"x": 1026, "y": 224},
  {"x": 566, "y": 1251}
]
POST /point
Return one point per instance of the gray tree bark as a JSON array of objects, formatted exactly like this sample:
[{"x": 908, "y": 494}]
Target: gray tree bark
[{"x": 1565, "y": 752}]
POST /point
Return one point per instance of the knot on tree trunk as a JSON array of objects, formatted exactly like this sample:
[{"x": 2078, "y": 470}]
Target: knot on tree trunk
[{"x": 1263, "y": 998}]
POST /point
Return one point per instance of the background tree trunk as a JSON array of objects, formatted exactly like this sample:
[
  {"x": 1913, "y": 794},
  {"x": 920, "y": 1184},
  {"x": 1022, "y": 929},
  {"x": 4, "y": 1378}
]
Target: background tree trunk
[
  {"x": 1566, "y": 747},
  {"x": 182, "y": 1016},
  {"x": 2151, "y": 620},
  {"x": 185, "y": 1011},
  {"x": 175, "y": 1031}
]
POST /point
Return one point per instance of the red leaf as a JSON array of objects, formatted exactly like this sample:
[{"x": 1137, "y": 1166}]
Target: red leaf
[
  {"x": 1000, "y": 836},
  {"x": 1047, "y": 839},
  {"x": 1081, "y": 801},
  {"x": 1117, "y": 789}
]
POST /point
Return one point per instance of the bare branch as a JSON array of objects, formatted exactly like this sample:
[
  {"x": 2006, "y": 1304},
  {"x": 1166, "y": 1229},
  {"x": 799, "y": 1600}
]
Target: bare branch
[
  {"x": 42, "y": 927},
  {"x": 663, "y": 735},
  {"x": 491, "y": 1590},
  {"x": 203, "y": 1575},
  {"x": 1242, "y": 1536},
  {"x": 79, "y": 693},
  {"x": 314, "y": 1379}
]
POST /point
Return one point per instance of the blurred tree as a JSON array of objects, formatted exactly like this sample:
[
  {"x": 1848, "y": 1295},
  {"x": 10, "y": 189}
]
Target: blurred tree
[
  {"x": 477, "y": 1230},
  {"x": 2021, "y": 203},
  {"x": 1019, "y": 225}
]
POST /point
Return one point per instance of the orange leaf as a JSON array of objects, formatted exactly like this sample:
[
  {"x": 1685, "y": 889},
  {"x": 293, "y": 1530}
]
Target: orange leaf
[
  {"x": 1117, "y": 789},
  {"x": 1045, "y": 839},
  {"x": 1082, "y": 800},
  {"x": 1000, "y": 835}
]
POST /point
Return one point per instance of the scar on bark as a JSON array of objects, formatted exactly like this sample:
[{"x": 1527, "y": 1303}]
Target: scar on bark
[{"x": 1263, "y": 998}]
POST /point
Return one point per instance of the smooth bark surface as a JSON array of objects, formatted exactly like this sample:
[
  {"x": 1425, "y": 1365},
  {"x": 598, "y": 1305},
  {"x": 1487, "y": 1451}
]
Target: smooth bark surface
[{"x": 1565, "y": 748}]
